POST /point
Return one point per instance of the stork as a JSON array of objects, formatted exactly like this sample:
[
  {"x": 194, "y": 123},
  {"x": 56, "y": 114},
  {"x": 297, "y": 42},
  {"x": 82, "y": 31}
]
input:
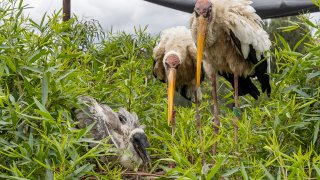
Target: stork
[
  {"x": 175, "y": 63},
  {"x": 231, "y": 40},
  {"x": 123, "y": 128}
]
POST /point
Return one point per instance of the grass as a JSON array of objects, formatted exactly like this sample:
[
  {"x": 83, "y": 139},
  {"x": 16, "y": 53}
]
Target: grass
[{"x": 46, "y": 65}]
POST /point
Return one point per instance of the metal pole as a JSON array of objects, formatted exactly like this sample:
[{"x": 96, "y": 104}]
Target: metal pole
[
  {"x": 265, "y": 9},
  {"x": 66, "y": 10}
]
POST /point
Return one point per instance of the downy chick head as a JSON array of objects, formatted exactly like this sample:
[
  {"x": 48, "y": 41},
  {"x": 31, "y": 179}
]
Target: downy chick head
[{"x": 140, "y": 143}]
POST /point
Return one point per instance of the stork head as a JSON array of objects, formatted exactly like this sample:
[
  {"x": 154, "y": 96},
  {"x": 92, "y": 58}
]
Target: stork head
[
  {"x": 140, "y": 142},
  {"x": 203, "y": 8},
  {"x": 203, "y": 12},
  {"x": 172, "y": 61}
]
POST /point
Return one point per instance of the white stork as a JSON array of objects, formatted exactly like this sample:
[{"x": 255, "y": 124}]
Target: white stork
[
  {"x": 123, "y": 128},
  {"x": 175, "y": 63},
  {"x": 230, "y": 38}
]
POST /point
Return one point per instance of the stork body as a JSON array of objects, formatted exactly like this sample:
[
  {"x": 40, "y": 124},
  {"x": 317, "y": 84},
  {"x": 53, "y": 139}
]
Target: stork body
[
  {"x": 123, "y": 129},
  {"x": 175, "y": 63},
  {"x": 230, "y": 38}
]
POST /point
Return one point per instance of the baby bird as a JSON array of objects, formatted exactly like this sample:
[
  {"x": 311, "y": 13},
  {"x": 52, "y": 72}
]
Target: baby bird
[{"x": 123, "y": 128}]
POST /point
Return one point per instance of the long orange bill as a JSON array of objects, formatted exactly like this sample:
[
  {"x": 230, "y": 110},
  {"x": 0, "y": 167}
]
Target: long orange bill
[
  {"x": 201, "y": 29},
  {"x": 171, "y": 87}
]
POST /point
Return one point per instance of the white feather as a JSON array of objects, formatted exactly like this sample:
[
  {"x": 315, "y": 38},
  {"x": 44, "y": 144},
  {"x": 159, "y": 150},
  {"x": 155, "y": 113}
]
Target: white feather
[
  {"x": 246, "y": 25},
  {"x": 245, "y": 50},
  {"x": 258, "y": 55}
]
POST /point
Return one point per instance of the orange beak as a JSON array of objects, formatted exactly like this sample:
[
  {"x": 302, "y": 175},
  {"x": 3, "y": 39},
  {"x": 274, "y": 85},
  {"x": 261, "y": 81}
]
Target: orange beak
[
  {"x": 171, "y": 87},
  {"x": 201, "y": 29}
]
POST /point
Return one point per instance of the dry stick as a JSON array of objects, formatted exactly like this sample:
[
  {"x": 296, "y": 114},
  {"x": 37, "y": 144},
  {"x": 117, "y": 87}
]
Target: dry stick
[
  {"x": 141, "y": 174},
  {"x": 199, "y": 125},
  {"x": 216, "y": 110}
]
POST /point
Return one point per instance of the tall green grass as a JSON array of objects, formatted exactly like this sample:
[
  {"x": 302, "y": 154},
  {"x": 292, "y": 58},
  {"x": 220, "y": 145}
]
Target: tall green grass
[{"x": 46, "y": 65}]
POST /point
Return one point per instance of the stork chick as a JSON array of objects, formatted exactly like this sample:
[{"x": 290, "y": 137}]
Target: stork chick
[
  {"x": 123, "y": 129},
  {"x": 175, "y": 63},
  {"x": 231, "y": 39}
]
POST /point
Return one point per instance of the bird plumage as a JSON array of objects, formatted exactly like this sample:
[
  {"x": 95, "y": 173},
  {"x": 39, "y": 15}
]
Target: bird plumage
[
  {"x": 123, "y": 129},
  {"x": 232, "y": 41},
  {"x": 235, "y": 42},
  {"x": 178, "y": 41}
]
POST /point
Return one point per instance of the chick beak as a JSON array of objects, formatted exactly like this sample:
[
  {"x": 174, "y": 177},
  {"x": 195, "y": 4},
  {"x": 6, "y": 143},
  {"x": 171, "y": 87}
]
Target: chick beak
[
  {"x": 171, "y": 88},
  {"x": 140, "y": 145},
  {"x": 201, "y": 29}
]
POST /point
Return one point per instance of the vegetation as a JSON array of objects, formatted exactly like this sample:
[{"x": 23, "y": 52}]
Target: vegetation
[
  {"x": 281, "y": 26},
  {"x": 45, "y": 66}
]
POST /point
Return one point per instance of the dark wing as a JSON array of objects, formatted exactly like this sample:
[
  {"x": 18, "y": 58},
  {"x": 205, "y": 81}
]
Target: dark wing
[
  {"x": 245, "y": 85},
  {"x": 260, "y": 71}
]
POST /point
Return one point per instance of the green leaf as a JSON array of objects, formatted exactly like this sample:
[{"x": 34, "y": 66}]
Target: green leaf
[
  {"x": 28, "y": 86},
  {"x": 299, "y": 42},
  {"x": 215, "y": 169},
  {"x": 44, "y": 89},
  {"x": 85, "y": 131},
  {"x": 65, "y": 75},
  {"x": 4, "y": 47},
  {"x": 49, "y": 172},
  {"x": 83, "y": 169},
  {"x": 10, "y": 64},
  {"x": 43, "y": 111},
  {"x": 316, "y": 132},
  {"x": 292, "y": 53},
  {"x": 244, "y": 172},
  {"x": 313, "y": 75},
  {"x": 266, "y": 172},
  {"x": 230, "y": 172},
  {"x": 69, "y": 55},
  {"x": 36, "y": 70},
  {"x": 317, "y": 169},
  {"x": 12, "y": 177},
  {"x": 301, "y": 93},
  {"x": 36, "y": 55}
]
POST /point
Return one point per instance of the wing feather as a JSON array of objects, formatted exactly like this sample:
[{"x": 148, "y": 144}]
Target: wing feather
[
  {"x": 242, "y": 20},
  {"x": 106, "y": 120},
  {"x": 131, "y": 119},
  {"x": 158, "y": 68}
]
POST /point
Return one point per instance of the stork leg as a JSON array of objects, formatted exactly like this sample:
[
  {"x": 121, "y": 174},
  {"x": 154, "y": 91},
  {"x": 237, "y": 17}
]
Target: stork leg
[
  {"x": 236, "y": 109},
  {"x": 199, "y": 125},
  {"x": 216, "y": 111}
]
